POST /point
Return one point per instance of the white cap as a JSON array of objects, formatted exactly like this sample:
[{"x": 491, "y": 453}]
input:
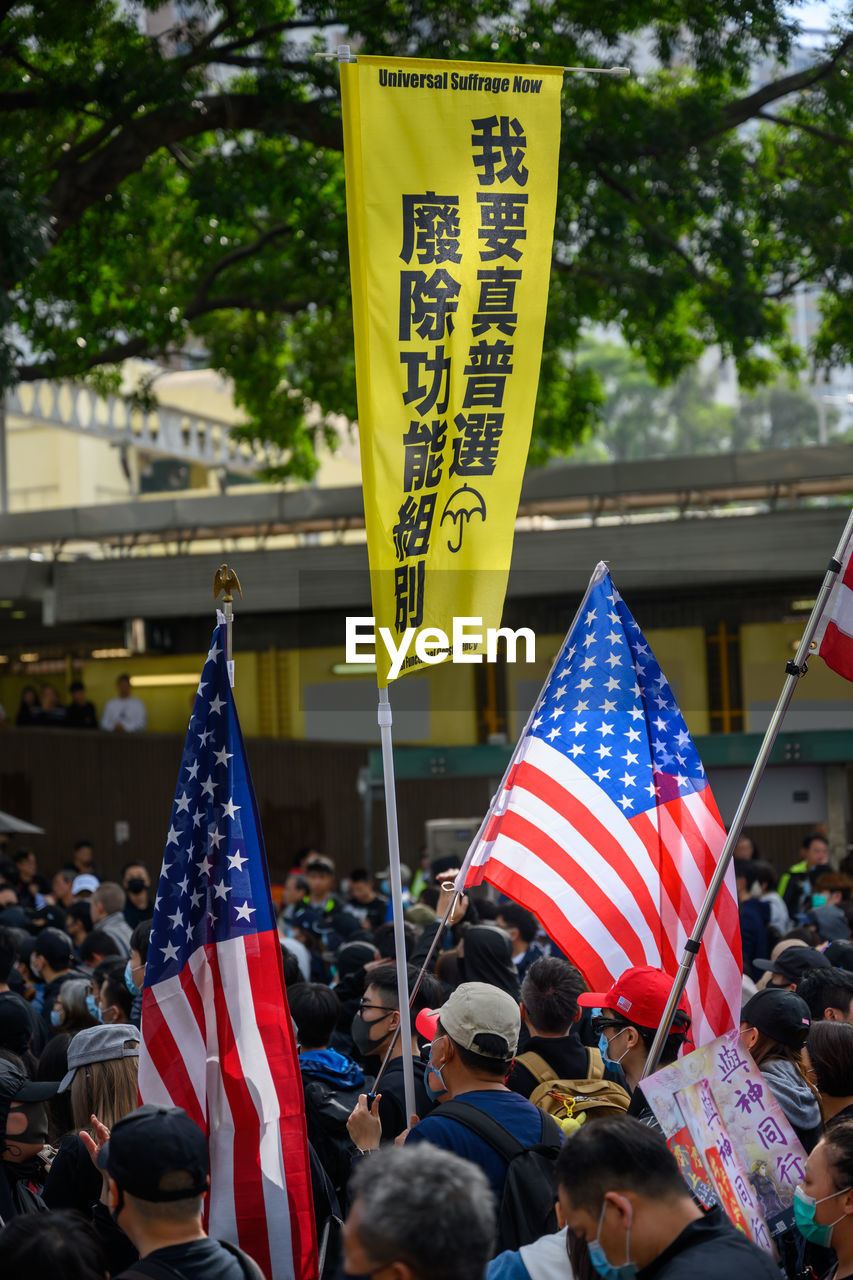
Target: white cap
[{"x": 84, "y": 884}]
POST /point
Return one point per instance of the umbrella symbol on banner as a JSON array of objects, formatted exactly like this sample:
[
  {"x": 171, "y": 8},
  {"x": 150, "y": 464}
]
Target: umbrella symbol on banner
[{"x": 462, "y": 505}]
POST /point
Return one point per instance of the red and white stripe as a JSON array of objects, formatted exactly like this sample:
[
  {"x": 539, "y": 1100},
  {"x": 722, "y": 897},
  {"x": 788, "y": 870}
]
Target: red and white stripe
[
  {"x": 834, "y": 634},
  {"x": 216, "y": 1044},
  {"x": 615, "y": 892}
]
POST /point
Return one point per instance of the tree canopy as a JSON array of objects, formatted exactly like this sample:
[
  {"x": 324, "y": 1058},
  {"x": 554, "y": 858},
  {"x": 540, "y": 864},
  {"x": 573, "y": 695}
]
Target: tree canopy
[
  {"x": 185, "y": 189},
  {"x": 641, "y": 419}
]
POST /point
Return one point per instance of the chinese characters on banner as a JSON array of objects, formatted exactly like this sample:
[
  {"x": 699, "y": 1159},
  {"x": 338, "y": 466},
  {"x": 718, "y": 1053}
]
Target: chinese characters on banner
[
  {"x": 451, "y": 193},
  {"x": 730, "y": 1136}
]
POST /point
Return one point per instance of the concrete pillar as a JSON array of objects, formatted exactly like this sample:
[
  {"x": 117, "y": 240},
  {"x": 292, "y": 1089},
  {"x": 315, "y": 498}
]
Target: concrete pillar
[{"x": 836, "y": 810}]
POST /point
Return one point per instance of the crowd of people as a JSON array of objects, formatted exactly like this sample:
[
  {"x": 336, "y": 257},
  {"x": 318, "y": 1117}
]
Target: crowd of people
[
  {"x": 532, "y": 1152},
  {"x": 43, "y": 708}
]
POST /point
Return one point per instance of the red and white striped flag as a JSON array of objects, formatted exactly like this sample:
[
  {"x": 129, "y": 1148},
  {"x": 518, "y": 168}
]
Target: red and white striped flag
[
  {"x": 606, "y": 828},
  {"x": 834, "y": 635},
  {"x": 217, "y": 1038}
]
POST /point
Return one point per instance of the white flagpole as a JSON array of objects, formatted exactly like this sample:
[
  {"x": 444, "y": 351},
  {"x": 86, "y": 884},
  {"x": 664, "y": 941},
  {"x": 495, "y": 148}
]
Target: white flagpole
[
  {"x": 795, "y": 669},
  {"x": 384, "y": 717}
]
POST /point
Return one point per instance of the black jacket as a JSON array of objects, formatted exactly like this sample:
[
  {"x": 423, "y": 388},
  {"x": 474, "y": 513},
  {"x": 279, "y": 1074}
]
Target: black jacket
[
  {"x": 565, "y": 1055},
  {"x": 710, "y": 1249}
]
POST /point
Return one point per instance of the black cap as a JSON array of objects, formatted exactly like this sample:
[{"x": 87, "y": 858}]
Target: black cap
[
  {"x": 781, "y": 1015},
  {"x": 56, "y": 947},
  {"x": 840, "y": 954},
  {"x": 151, "y": 1142},
  {"x": 15, "y": 1086},
  {"x": 794, "y": 962},
  {"x": 51, "y": 915}
]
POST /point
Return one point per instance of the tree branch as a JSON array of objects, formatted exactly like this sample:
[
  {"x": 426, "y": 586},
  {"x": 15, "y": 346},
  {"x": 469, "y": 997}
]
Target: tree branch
[
  {"x": 78, "y": 186},
  {"x": 737, "y": 113},
  {"x": 110, "y": 355},
  {"x": 143, "y": 346},
  {"x": 836, "y": 139},
  {"x": 243, "y": 302},
  {"x": 197, "y": 303}
]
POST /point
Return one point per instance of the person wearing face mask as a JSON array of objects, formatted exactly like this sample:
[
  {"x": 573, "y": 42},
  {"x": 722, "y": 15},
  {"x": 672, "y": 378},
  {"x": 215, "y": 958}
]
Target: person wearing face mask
[
  {"x": 70, "y": 1011},
  {"x": 114, "y": 999},
  {"x": 50, "y": 958},
  {"x": 774, "y": 1028},
  {"x": 621, "y": 1191},
  {"x": 631, "y": 1013},
  {"x": 823, "y": 1202},
  {"x": 134, "y": 970},
  {"x": 475, "y": 1039},
  {"x": 23, "y": 1134},
  {"x": 373, "y": 1029},
  {"x": 136, "y": 883},
  {"x": 111, "y": 967}
]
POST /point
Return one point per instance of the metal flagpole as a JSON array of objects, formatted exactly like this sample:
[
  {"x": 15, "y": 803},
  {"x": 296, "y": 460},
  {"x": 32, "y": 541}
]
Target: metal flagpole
[
  {"x": 794, "y": 670},
  {"x": 384, "y": 718},
  {"x": 433, "y": 947}
]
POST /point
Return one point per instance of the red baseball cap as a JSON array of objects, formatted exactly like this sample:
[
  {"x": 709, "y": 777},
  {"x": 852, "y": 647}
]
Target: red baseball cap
[{"x": 639, "y": 995}]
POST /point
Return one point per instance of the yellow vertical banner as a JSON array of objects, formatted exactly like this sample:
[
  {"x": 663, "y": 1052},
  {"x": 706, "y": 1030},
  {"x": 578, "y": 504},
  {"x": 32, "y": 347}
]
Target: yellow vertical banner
[{"x": 451, "y": 172}]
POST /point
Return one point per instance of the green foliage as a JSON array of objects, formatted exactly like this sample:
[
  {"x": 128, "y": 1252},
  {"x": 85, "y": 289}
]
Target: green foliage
[
  {"x": 640, "y": 419},
  {"x": 159, "y": 193}
]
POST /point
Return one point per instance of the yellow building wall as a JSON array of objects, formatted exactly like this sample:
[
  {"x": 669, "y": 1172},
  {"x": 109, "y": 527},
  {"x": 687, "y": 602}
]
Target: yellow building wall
[
  {"x": 168, "y": 705},
  {"x": 765, "y": 648},
  {"x": 50, "y": 467},
  {"x": 680, "y": 652},
  {"x": 452, "y": 703},
  {"x": 269, "y": 684}
]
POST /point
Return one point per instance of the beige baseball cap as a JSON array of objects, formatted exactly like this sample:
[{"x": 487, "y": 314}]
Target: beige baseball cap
[{"x": 475, "y": 1008}]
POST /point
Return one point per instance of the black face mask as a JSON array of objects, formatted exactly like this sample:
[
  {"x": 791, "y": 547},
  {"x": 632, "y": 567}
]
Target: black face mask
[
  {"x": 36, "y": 1130},
  {"x": 360, "y": 1032},
  {"x": 136, "y": 885}
]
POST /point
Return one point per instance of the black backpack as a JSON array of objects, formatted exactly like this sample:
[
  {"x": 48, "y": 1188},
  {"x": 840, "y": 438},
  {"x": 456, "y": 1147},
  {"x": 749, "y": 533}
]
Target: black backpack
[{"x": 526, "y": 1210}]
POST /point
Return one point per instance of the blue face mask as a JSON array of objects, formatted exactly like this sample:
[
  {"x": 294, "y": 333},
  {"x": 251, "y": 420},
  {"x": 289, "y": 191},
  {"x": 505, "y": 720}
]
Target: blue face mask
[
  {"x": 604, "y": 1047},
  {"x": 804, "y": 1211},
  {"x": 598, "y": 1257},
  {"x": 433, "y": 1094},
  {"x": 129, "y": 983},
  {"x": 56, "y": 1017},
  {"x": 94, "y": 1011}
]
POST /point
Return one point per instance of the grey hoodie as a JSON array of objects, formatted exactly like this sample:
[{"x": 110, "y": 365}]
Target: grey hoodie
[{"x": 795, "y": 1098}]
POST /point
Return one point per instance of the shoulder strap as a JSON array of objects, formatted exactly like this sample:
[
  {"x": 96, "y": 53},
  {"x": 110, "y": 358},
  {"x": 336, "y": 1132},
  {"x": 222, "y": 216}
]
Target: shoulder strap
[
  {"x": 485, "y": 1126},
  {"x": 251, "y": 1270},
  {"x": 537, "y": 1066},
  {"x": 595, "y": 1065},
  {"x": 552, "y": 1133}
]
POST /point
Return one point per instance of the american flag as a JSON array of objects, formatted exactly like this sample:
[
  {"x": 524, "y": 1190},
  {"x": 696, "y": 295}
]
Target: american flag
[
  {"x": 217, "y": 1038},
  {"x": 834, "y": 634},
  {"x": 606, "y": 828}
]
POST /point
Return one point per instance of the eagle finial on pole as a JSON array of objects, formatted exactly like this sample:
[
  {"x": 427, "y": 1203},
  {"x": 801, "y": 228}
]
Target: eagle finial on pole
[{"x": 226, "y": 580}]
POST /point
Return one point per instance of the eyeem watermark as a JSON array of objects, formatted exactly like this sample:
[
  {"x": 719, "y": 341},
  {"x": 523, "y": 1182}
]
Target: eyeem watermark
[{"x": 432, "y": 645}]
